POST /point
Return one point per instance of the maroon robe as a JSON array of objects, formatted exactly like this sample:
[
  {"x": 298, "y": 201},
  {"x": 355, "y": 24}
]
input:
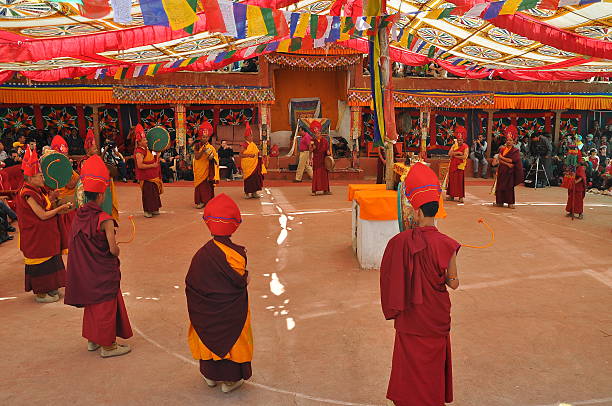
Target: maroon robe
[
  {"x": 218, "y": 304},
  {"x": 204, "y": 192},
  {"x": 576, "y": 193},
  {"x": 508, "y": 178},
  {"x": 151, "y": 200},
  {"x": 414, "y": 295},
  {"x": 65, "y": 223},
  {"x": 254, "y": 183},
  {"x": 39, "y": 239},
  {"x": 456, "y": 176},
  {"x": 94, "y": 278},
  {"x": 380, "y": 171},
  {"x": 320, "y": 175}
]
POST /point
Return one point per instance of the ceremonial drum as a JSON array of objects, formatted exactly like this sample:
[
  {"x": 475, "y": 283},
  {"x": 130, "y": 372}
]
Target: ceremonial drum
[
  {"x": 81, "y": 199},
  {"x": 56, "y": 169},
  {"x": 329, "y": 163},
  {"x": 158, "y": 139}
]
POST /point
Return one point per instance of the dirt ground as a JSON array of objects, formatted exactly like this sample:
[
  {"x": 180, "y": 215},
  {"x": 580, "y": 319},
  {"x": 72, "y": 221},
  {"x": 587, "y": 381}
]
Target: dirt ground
[{"x": 532, "y": 320}]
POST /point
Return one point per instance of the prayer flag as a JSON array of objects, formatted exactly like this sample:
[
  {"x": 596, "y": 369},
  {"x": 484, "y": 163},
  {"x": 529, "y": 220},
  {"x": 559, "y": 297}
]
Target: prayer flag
[
  {"x": 563, "y": 3},
  {"x": 431, "y": 51},
  {"x": 271, "y": 46},
  {"x": 153, "y": 13},
  {"x": 314, "y": 25},
  {"x": 323, "y": 26},
  {"x": 284, "y": 45},
  {"x": 139, "y": 70},
  {"x": 120, "y": 73},
  {"x": 510, "y": 7},
  {"x": 280, "y": 22},
  {"x": 100, "y": 73},
  {"x": 122, "y": 11},
  {"x": 260, "y": 48},
  {"x": 227, "y": 13},
  {"x": 176, "y": 64},
  {"x": 256, "y": 25},
  {"x": 362, "y": 24},
  {"x": 296, "y": 43},
  {"x": 240, "y": 19},
  {"x": 302, "y": 25},
  {"x": 248, "y": 52},
  {"x": 95, "y": 8},
  {"x": 477, "y": 10},
  {"x": 295, "y": 17},
  {"x": 493, "y": 10},
  {"x": 67, "y": 1},
  {"x": 584, "y": 2},
  {"x": 211, "y": 58},
  {"x": 268, "y": 19},
  {"x": 334, "y": 29},
  {"x": 180, "y": 13},
  {"x": 152, "y": 69},
  {"x": 220, "y": 57},
  {"x": 214, "y": 16},
  {"x": 527, "y": 4},
  {"x": 436, "y": 14},
  {"x": 549, "y": 4},
  {"x": 229, "y": 54}
]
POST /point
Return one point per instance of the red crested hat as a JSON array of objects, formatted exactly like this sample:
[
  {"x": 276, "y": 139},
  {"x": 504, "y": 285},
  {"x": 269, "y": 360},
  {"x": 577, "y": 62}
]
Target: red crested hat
[
  {"x": 315, "y": 126},
  {"x": 422, "y": 185},
  {"x": 94, "y": 175},
  {"x": 512, "y": 132},
  {"x": 460, "y": 132},
  {"x": 139, "y": 132},
  {"x": 90, "y": 139},
  {"x": 247, "y": 130},
  {"x": 59, "y": 144},
  {"x": 29, "y": 163},
  {"x": 204, "y": 127},
  {"x": 222, "y": 215}
]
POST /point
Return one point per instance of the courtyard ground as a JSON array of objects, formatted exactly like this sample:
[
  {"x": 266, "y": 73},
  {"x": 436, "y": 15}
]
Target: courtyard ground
[{"x": 532, "y": 320}]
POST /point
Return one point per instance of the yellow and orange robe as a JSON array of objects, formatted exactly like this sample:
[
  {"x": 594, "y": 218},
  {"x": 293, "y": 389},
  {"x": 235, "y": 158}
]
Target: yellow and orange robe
[
  {"x": 253, "y": 169},
  {"x": 217, "y": 300},
  {"x": 205, "y": 174}
]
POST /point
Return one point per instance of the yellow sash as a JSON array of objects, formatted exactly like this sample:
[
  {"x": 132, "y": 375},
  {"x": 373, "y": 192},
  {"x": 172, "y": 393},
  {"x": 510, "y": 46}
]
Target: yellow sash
[
  {"x": 461, "y": 166},
  {"x": 157, "y": 181},
  {"x": 242, "y": 351},
  {"x": 201, "y": 166}
]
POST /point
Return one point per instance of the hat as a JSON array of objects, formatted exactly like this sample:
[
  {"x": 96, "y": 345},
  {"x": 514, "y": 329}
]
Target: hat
[
  {"x": 460, "y": 132},
  {"x": 589, "y": 136},
  {"x": 421, "y": 185},
  {"x": 512, "y": 132},
  {"x": 205, "y": 126},
  {"x": 90, "y": 139},
  {"x": 315, "y": 126},
  {"x": 94, "y": 175},
  {"x": 247, "y": 131},
  {"x": 222, "y": 215},
  {"x": 29, "y": 163},
  {"x": 139, "y": 132},
  {"x": 17, "y": 144},
  {"x": 59, "y": 144}
]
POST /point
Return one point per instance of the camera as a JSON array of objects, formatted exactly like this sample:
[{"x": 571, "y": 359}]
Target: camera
[{"x": 537, "y": 146}]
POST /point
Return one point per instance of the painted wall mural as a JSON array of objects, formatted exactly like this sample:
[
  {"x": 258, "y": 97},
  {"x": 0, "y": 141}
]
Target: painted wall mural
[
  {"x": 17, "y": 117},
  {"x": 59, "y": 117},
  {"x": 158, "y": 117}
]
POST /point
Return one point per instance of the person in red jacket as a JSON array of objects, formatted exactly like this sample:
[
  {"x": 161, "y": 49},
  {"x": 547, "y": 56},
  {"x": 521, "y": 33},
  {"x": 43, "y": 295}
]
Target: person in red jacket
[{"x": 417, "y": 266}]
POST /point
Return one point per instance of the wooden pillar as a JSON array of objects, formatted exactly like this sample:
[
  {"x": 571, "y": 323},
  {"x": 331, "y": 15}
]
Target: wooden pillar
[
  {"x": 489, "y": 132},
  {"x": 264, "y": 129},
  {"x": 390, "y": 135},
  {"x": 356, "y": 125},
  {"x": 557, "y": 127},
  {"x": 180, "y": 122},
  {"x": 96, "y": 124},
  {"x": 424, "y": 118}
]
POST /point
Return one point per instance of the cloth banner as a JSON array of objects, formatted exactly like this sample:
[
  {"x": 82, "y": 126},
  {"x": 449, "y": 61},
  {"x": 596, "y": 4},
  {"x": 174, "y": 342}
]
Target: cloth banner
[
  {"x": 304, "y": 125},
  {"x": 237, "y": 116},
  {"x": 158, "y": 117},
  {"x": 15, "y": 118},
  {"x": 303, "y": 108}
]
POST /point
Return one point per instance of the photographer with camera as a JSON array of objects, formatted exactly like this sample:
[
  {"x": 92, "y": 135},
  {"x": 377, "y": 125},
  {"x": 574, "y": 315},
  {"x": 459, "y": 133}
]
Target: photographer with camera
[
  {"x": 477, "y": 155},
  {"x": 538, "y": 151}
]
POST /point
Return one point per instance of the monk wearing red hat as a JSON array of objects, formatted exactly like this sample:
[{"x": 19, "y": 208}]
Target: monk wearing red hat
[
  {"x": 39, "y": 238},
  {"x": 510, "y": 170},
  {"x": 456, "y": 170},
  {"x": 65, "y": 194},
  {"x": 417, "y": 266},
  {"x": 577, "y": 191},
  {"x": 320, "y": 149},
  {"x": 148, "y": 173},
  {"x": 253, "y": 169},
  {"x": 220, "y": 333},
  {"x": 205, "y": 166},
  {"x": 93, "y": 274}
]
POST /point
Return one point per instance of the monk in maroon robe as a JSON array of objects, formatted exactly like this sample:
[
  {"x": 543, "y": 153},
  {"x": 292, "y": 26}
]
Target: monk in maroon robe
[
  {"x": 39, "y": 235},
  {"x": 510, "y": 170},
  {"x": 417, "y": 266},
  {"x": 93, "y": 274},
  {"x": 148, "y": 174},
  {"x": 456, "y": 170},
  {"x": 220, "y": 333},
  {"x": 576, "y": 193},
  {"x": 320, "y": 149}
]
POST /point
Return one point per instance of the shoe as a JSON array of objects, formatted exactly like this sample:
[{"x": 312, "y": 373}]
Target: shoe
[
  {"x": 148, "y": 215},
  {"x": 11, "y": 229},
  {"x": 569, "y": 215},
  {"x": 313, "y": 193},
  {"x": 210, "y": 382},
  {"x": 247, "y": 196},
  {"x": 155, "y": 213},
  {"x": 91, "y": 346},
  {"x": 256, "y": 196},
  {"x": 227, "y": 388},
  {"x": 297, "y": 181},
  {"x": 450, "y": 199},
  {"x": 200, "y": 206},
  {"x": 511, "y": 206},
  {"x": 54, "y": 292},
  {"x": 461, "y": 200},
  {"x": 327, "y": 193},
  {"x": 124, "y": 180},
  {"x": 46, "y": 299},
  {"x": 580, "y": 216},
  {"x": 121, "y": 349},
  {"x": 475, "y": 175}
]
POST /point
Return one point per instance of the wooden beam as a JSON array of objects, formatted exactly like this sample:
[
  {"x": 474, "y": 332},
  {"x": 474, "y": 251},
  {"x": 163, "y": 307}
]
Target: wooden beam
[{"x": 489, "y": 132}]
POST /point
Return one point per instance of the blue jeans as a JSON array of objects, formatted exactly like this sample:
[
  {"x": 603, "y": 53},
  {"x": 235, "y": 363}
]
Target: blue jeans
[{"x": 6, "y": 211}]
